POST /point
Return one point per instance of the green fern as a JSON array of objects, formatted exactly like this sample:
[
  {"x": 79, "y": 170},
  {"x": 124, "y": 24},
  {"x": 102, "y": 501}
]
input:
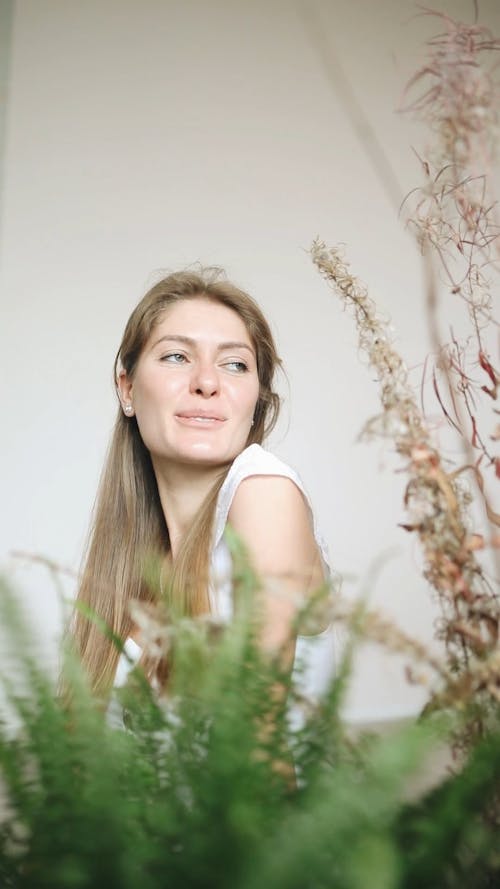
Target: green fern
[{"x": 190, "y": 795}]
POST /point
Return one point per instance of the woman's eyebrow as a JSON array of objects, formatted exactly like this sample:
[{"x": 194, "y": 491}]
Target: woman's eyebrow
[
  {"x": 189, "y": 341},
  {"x": 234, "y": 344},
  {"x": 176, "y": 337}
]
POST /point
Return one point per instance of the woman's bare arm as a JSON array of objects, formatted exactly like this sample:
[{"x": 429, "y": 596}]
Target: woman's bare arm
[
  {"x": 270, "y": 515},
  {"x": 273, "y": 520}
]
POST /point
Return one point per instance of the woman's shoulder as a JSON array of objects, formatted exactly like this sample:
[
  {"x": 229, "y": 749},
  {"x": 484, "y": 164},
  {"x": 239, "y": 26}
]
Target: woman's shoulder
[
  {"x": 271, "y": 512},
  {"x": 253, "y": 461},
  {"x": 256, "y": 460},
  {"x": 257, "y": 463}
]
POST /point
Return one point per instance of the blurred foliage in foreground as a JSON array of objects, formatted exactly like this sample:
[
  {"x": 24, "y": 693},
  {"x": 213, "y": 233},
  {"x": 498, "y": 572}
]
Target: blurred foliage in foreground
[{"x": 199, "y": 792}]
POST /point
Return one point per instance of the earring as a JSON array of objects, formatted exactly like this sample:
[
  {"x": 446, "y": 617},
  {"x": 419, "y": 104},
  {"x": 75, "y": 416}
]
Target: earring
[{"x": 128, "y": 408}]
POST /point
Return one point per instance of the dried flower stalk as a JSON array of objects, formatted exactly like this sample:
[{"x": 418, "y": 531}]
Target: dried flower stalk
[
  {"x": 454, "y": 217},
  {"x": 434, "y": 500},
  {"x": 460, "y": 97}
]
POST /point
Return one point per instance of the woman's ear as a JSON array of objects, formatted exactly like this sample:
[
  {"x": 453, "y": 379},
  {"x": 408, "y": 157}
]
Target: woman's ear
[{"x": 124, "y": 388}]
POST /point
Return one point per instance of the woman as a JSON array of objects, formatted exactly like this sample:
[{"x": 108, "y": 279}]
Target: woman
[{"x": 194, "y": 377}]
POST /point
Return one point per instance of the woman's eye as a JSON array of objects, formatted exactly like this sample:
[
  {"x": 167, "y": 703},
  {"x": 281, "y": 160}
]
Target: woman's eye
[
  {"x": 174, "y": 358},
  {"x": 236, "y": 366}
]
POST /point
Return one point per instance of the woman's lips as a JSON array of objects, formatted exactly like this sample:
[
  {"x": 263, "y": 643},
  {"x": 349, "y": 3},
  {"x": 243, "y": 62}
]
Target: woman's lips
[{"x": 205, "y": 421}]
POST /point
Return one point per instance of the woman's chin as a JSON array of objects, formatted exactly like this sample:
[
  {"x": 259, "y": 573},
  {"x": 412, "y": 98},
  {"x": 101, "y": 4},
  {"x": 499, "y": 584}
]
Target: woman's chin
[{"x": 205, "y": 453}]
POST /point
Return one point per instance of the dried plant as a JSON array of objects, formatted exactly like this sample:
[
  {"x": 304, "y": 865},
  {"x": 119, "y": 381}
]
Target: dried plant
[
  {"x": 434, "y": 498},
  {"x": 454, "y": 217},
  {"x": 460, "y": 97}
]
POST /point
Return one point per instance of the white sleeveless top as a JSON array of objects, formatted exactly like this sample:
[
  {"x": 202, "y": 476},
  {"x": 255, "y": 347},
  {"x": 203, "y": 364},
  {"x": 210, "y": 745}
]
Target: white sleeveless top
[{"x": 314, "y": 655}]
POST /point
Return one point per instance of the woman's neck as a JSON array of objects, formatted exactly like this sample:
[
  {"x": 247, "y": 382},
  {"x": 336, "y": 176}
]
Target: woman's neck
[{"x": 182, "y": 489}]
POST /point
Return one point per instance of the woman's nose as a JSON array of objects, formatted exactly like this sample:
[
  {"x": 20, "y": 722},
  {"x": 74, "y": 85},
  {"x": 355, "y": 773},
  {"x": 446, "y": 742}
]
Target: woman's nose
[{"x": 204, "y": 380}]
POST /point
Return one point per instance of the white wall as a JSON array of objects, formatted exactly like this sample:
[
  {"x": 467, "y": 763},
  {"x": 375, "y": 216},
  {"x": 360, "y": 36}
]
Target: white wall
[
  {"x": 6, "y": 14},
  {"x": 153, "y": 134}
]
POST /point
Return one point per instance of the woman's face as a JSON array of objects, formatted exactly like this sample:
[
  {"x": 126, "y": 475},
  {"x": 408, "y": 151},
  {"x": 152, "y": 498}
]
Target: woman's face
[{"x": 195, "y": 388}]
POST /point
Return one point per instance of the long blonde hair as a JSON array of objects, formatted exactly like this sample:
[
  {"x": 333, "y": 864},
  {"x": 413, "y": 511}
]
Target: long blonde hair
[{"x": 128, "y": 530}]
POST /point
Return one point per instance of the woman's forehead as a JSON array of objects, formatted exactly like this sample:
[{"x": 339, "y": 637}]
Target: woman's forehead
[{"x": 201, "y": 319}]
